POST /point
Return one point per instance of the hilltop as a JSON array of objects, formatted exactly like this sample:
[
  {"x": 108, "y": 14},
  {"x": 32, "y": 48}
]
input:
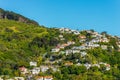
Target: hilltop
[{"x": 14, "y": 16}]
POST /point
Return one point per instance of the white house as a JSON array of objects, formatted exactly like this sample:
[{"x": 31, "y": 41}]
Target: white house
[
  {"x": 83, "y": 54},
  {"x": 107, "y": 67},
  {"x": 75, "y": 51},
  {"x": 55, "y": 50},
  {"x": 67, "y": 52},
  {"x": 95, "y": 40},
  {"x": 79, "y": 47},
  {"x": 104, "y": 47},
  {"x": 1, "y": 78},
  {"x": 54, "y": 68},
  {"x": 44, "y": 68},
  {"x": 61, "y": 46},
  {"x": 32, "y": 63},
  {"x": 82, "y": 40},
  {"x": 19, "y": 78},
  {"x": 60, "y": 36},
  {"x": 63, "y": 30},
  {"x": 78, "y": 64},
  {"x": 70, "y": 42},
  {"x": 76, "y": 32},
  {"x": 96, "y": 65},
  {"x": 87, "y": 65},
  {"x": 35, "y": 70},
  {"x": 104, "y": 40},
  {"x": 95, "y": 45},
  {"x": 44, "y": 78}
]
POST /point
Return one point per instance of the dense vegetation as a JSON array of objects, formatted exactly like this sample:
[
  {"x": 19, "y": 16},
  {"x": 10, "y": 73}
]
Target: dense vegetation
[{"x": 18, "y": 43}]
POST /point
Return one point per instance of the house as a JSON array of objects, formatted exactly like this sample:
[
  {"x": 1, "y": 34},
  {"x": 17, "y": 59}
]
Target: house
[
  {"x": 60, "y": 36},
  {"x": 104, "y": 40},
  {"x": 55, "y": 50},
  {"x": 66, "y": 29},
  {"x": 82, "y": 37},
  {"x": 32, "y": 63},
  {"x": 62, "y": 52},
  {"x": 54, "y": 68},
  {"x": 89, "y": 44},
  {"x": 65, "y": 45},
  {"x": 118, "y": 44},
  {"x": 67, "y": 52},
  {"x": 82, "y": 47},
  {"x": 62, "y": 39},
  {"x": 61, "y": 46},
  {"x": 1, "y": 78},
  {"x": 104, "y": 47},
  {"x": 79, "y": 47},
  {"x": 39, "y": 78},
  {"x": 83, "y": 54},
  {"x": 78, "y": 64},
  {"x": 63, "y": 30},
  {"x": 48, "y": 78},
  {"x": 94, "y": 34},
  {"x": 75, "y": 51},
  {"x": 96, "y": 65},
  {"x": 95, "y": 45},
  {"x": 95, "y": 41},
  {"x": 107, "y": 67},
  {"x": 89, "y": 31},
  {"x": 29, "y": 77},
  {"x": 70, "y": 51},
  {"x": 82, "y": 40},
  {"x": 23, "y": 70},
  {"x": 19, "y": 78},
  {"x": 102, "y": 63},
  {"x": 44, "y": 78},
  {"x": 43, "y": 68},
  {"x": 87, "y": 65},
  {"x": 35, "y": 70},
  {"x": 68, "y": 63},
  {"x": 76, "y": 32},
  {"x": 70, "y": 42}
]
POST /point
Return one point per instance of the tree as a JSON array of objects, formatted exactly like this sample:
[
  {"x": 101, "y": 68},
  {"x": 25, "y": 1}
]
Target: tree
[
  {"x": 65, "y": 70},
  {"x": 104, "y": 33},
  {"x": 39, "y": 60},
  {"x": 1, "y": 71},
  {"x": 58, "y": 75},
  {"x": 7, "y": 71},
  {"x": 94, "y": 68},
  {"x": 113, "y": 42}
]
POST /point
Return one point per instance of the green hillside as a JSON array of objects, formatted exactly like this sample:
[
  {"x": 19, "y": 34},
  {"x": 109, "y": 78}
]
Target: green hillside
[
  {"x": 15, "y": 39},
  {"x": 85, "y": 55}
]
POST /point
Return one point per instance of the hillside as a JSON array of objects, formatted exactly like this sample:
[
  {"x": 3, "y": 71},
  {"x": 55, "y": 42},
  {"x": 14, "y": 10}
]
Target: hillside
[
  {"x": 15, "y": 38},
  {"x": 60, "y": 52},
  {"x": 14, "y": 16}
]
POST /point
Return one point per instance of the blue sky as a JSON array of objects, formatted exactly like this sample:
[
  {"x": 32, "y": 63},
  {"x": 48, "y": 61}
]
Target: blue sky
[{"x": 100, "y": 15}]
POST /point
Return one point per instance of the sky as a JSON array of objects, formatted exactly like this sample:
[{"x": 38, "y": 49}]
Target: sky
[{"x": 100, "y": 15}]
